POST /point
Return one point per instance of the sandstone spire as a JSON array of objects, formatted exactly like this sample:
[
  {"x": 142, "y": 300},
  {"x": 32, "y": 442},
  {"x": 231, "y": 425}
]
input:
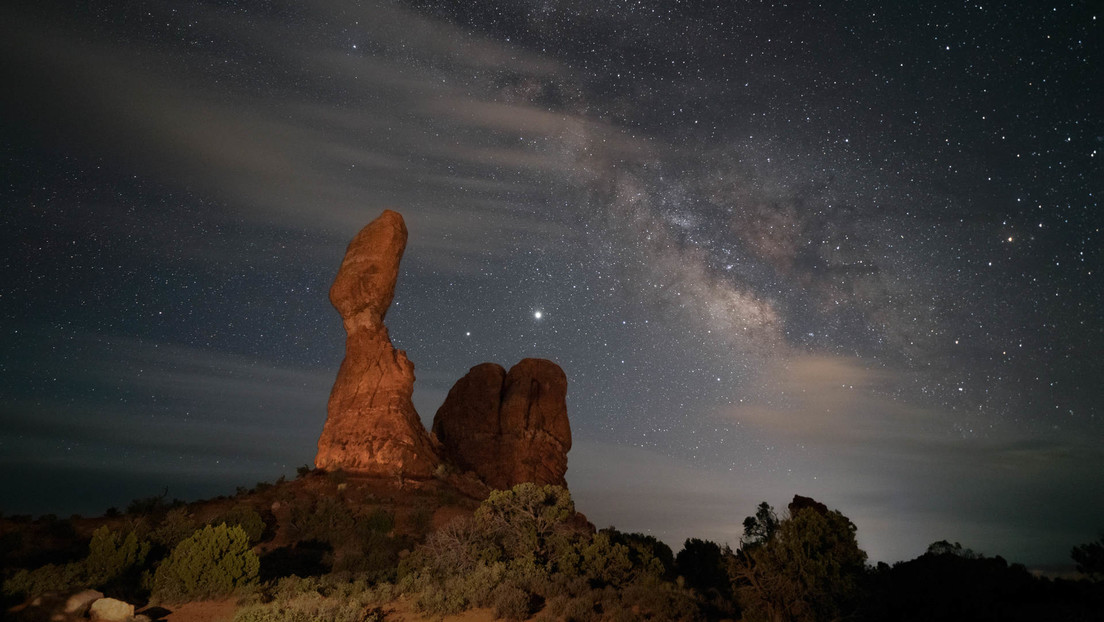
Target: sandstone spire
[{"x": 371, "y": 426}]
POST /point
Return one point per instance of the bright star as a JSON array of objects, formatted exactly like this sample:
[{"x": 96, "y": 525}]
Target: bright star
[{"x": 537, "y": 314}]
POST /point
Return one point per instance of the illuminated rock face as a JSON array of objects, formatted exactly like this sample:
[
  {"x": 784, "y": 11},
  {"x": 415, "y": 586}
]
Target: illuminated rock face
[
  {"x": 371, "y": 426},
  {"x": 508, "y": 428}
]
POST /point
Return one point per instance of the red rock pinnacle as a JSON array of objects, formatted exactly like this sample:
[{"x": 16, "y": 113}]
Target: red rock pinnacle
[{"x": 371, "y": 426}]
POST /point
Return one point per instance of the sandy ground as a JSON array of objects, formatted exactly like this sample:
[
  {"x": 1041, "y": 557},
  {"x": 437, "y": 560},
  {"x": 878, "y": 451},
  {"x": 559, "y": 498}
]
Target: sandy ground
[
  {"x": 204, "y": 611},
  {"x": 402, "y": 610},
  {"x": 399, "y": 610}
]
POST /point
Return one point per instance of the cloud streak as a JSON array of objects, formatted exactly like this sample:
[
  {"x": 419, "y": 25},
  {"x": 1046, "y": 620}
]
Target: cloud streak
[{"x": 880, "y": 457}]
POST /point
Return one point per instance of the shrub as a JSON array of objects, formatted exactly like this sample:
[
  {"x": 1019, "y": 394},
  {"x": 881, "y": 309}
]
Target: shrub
[
  {"x": 531, "y": 521},
  {"x": 327, "y": 519},
  {"x": 310, "y": 609},
  {"x": 440, "y": 600},
  {"x": 245, "y": 517},
  {"x": 511, "y": 602},
  {"x": 663, "y": 600},
  {"x": 569, "y": 608},
  {"x": 456, "y": 548},
  {"x": 527, "y": 517},
  {"x": 606, "y": 562},
  {"x": 174, "y": 528},
  {"x": 380, "y": 520},
  {"x": 110, "y": 554},
  {"x": 49, "y": 578},
  {"x": 376, "y": 557},
  {"x": 214, "y": 561},
  {"x": 521, "y": 551},
  {"x": 333, "y": 598},
  {"x": 454, "y": 593}
]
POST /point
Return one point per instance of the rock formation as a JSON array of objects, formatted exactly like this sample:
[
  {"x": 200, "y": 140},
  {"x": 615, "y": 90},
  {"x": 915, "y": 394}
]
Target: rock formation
[
  {"x": 508, "y": 427},
  {"x": 371, "y": 426}
]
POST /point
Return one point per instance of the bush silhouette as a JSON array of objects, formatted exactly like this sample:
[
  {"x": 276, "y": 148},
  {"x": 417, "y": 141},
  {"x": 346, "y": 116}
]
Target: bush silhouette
[
  {"x": 805, "y": 567},
  {"x": 110, "y": 556}
]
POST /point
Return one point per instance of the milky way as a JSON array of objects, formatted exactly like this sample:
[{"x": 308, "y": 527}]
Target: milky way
[{"x": 851, "y": 253}]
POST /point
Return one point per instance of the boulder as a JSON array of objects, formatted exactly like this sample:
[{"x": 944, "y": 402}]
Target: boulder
[
  {"x": 77, "y": 604},
  {"x": 111, "y": 610},
  {"x": 508, "y": 428},
  {"x": 371, "y": 426}
]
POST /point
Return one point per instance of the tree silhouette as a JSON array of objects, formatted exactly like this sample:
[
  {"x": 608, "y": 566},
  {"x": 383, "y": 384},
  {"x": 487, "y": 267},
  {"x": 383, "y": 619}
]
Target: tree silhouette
[
  {"x": 806, "y": 567},
  {"x": 1090, "y": 558}
]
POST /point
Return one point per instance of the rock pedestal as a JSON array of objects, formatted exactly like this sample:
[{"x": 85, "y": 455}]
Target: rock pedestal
[
  {"x": 372, "y": 427},
  {"x": 507, "y": 428}
]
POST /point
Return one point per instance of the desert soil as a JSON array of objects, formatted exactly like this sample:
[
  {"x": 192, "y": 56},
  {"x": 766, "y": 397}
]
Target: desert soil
[{"x": 399, "y": 610}]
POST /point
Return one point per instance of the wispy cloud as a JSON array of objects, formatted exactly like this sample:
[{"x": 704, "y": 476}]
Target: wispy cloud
[
  {"x": 189, "y": 406},
  {"x": 399, "y": 121},
  {"x": 878, "y": 456}
]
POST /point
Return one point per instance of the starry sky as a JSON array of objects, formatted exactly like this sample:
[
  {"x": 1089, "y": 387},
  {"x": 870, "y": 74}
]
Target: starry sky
[{"x": 845, "y": 250}]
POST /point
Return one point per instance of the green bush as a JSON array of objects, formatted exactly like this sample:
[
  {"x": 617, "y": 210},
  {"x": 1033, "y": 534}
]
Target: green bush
[
  {"x": 110, "y": 555},
  {"x": 661, "y": 600},
  {"x": 173, "y": 529},
  {"x": 327, "y": 520},
  {"x": 310, "y": 608},
  {"x": 455, "y": 593},
  {"x": 606, "y": 562},
  {"x": 214, "y": 561},
  {"x": 245, "y": 517},
  {"x": 510, "y": 602},
  {"x": 441, "y": 600},
  {"x": 528, "y": 520},
  {"x": 521, "y": 548},
  {"x": 49, "y": 578}
]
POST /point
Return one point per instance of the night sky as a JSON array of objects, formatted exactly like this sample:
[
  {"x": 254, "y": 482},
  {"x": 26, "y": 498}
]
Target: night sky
[{"x": 846, "y": 250}]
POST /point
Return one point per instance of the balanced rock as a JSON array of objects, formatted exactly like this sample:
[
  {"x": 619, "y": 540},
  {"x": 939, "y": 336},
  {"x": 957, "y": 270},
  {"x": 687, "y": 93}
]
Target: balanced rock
[
  {"x": 508, "y": 428},
  {"x": 371, "y": 426}
]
